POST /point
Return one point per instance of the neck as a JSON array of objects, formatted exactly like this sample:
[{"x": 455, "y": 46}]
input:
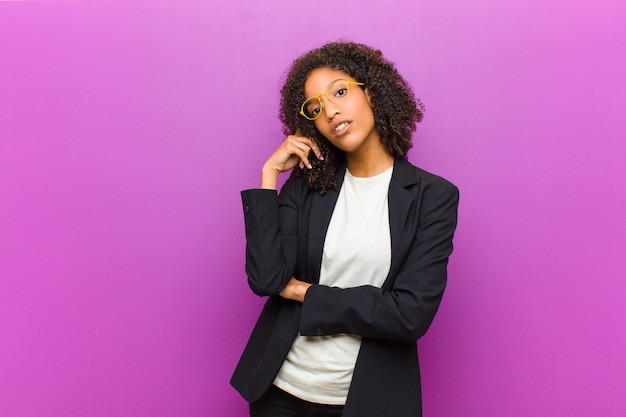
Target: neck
[{"x": 370, "y": 163}]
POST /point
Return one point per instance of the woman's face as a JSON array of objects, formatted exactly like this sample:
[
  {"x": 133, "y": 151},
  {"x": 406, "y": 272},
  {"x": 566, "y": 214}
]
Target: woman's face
[{"x": 347, "y": 123}]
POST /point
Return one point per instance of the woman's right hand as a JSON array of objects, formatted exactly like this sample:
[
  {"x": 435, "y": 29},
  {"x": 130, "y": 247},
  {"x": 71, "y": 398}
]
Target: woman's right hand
[{"x": 293, "y": 151}]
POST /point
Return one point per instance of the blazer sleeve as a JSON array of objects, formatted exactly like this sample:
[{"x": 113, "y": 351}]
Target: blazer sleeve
[
  {"x": 406, "y": 310},
  {"x": 271, "y": 237}
]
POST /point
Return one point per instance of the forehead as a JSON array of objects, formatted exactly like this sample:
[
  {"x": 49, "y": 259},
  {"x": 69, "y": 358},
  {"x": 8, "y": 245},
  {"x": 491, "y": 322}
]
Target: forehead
[{"x": 319, "y": 78}]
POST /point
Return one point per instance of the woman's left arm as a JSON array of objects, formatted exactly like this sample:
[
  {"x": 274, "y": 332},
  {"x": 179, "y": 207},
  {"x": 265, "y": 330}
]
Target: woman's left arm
[{"x": 406, "y": 311}]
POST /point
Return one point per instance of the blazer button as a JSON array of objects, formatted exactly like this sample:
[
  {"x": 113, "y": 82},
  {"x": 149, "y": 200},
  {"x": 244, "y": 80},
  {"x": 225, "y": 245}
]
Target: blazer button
[
  {"x": 246, "y": 208},
  {"x": 319, "y": 332}
]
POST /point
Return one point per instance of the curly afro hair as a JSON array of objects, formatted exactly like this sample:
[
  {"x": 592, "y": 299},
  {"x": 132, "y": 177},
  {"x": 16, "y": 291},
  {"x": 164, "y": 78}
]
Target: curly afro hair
[{"x": 395, "y": 110}]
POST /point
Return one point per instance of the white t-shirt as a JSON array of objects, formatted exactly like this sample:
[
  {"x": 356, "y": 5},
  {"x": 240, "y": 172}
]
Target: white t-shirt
[{"x": 357, "y": 251}]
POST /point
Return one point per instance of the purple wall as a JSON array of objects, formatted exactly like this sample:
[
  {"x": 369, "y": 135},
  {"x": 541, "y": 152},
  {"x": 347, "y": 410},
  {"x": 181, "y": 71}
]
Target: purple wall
[{"x": 127, "y": 132}]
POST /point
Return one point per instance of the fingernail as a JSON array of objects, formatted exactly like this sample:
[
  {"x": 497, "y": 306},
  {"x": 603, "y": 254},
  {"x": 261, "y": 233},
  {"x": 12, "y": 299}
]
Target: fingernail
[{"x": 321, "y": 158}]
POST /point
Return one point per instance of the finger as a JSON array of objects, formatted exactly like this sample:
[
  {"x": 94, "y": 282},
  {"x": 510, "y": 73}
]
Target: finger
[
  {"x": 304, "y": 159},
  {"x": 303, "y": 154},
  {"x": 310, "y": 143},
  {"x": 301, "y": 142},
  {"x": 301, "y": 149},
  {"x": 315, "y": 147},
  {"x": 298, "y": 156},
  {"x": 316, "y": 150}
]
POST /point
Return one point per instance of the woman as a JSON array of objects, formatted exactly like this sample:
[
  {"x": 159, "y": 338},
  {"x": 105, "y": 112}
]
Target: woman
[{"x": 352, "y": 253}]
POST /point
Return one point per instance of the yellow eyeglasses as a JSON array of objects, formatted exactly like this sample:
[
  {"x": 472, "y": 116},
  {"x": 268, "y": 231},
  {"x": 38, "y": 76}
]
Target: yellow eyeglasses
[{"x": 335, "y": 92}]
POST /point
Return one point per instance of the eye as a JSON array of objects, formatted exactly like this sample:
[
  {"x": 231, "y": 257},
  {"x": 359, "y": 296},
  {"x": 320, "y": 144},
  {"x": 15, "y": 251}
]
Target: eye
[
  {"x": 313, "y": 112},
  {"x": 314, "y": 109},
  {"x": 342, "y": 92}
]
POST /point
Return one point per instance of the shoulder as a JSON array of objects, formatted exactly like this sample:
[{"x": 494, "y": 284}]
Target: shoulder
[
  {"x": 436, "y": 198},
  {"x": 409, "y": 175},
  {"x": 295, "y": 188},
  {"x": 295, "y": 182}
]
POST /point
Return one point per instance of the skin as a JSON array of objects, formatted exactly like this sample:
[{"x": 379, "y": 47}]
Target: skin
[{"x": 359, "y": 139}]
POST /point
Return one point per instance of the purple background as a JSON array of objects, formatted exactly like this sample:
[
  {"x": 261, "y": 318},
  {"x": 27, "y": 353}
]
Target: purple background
[{"x": 127, "y": 132}]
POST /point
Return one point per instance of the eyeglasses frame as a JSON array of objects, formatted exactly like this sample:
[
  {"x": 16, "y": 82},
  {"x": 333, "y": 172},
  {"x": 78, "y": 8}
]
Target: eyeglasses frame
[{"x": 319, "y": 98}]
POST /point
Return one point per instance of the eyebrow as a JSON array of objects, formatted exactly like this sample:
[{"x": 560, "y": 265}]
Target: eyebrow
[{"x": 333, "y": 81}]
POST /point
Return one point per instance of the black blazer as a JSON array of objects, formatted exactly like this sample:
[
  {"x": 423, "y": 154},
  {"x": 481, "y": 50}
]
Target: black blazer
[{"x": 285, "y": 237}]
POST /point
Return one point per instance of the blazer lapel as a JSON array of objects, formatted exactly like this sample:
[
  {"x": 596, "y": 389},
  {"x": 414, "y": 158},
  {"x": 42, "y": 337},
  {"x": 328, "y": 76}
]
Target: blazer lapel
[
  {"x": 322, "y": 208},
  {"x": 400, "y": 200}
]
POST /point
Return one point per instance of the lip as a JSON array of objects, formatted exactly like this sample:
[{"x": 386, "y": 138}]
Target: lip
[{"x": 337, "y": 123}]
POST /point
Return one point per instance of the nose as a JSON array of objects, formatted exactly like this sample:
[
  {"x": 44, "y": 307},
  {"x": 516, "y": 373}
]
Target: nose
[{"x": 330, "y": 109}]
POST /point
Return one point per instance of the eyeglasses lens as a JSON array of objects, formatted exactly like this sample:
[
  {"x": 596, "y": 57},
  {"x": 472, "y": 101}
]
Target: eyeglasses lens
[{"x": 335, "y": 93}]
